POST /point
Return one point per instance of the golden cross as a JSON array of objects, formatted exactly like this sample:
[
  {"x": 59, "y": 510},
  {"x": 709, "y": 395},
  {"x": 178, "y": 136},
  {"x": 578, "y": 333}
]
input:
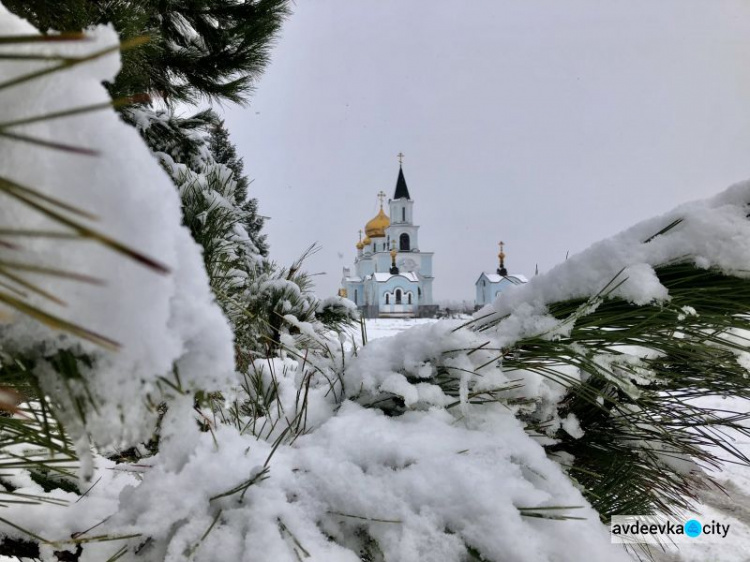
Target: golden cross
[
  {"x": 360, "y": 235},
  {"x": 501, "y": 255},
  {"x": 400, "y": 158},
  {"x": 381, "y": 196}
]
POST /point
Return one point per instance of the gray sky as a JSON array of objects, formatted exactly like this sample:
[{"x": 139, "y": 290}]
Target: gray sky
[{"x": 547, "y": 124}]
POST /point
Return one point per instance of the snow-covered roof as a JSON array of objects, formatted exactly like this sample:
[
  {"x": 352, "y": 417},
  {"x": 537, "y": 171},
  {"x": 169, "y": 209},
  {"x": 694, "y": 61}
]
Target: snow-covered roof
[
  {"x": 382, "y": 277},
  {"x": 354, "y": 279},
  {"x": 515, "y": 278}
]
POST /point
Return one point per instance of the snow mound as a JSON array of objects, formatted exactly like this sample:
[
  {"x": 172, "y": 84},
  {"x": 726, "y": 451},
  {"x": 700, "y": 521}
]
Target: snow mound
[{"x": 162, "y": 322}]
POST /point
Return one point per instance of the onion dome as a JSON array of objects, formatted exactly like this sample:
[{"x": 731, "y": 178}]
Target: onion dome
[
  {"x": 366, "y": 241},
  {"x": 375, "y": 228},
  {"x": 360, "y": 244}
]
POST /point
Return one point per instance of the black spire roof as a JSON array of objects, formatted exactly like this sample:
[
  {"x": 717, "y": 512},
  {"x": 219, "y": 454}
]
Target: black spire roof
[{"x": 402, "y": 192}]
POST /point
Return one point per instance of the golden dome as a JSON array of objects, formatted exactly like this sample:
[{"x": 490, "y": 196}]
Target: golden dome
[
  {"x": 375, "y": 228},
  {"x": 366, "y": 241},
  {"x": 360, "y": 245}
]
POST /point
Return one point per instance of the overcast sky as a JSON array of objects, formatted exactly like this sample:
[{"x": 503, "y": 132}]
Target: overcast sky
[{"x": 547, "y": 124}]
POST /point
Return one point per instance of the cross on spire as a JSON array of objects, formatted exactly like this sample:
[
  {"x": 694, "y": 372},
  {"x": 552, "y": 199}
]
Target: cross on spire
[
  {"x": 501, "y": 270},
  {"x": 381, "y": 196},
  {"x": 400, "y": 157}
]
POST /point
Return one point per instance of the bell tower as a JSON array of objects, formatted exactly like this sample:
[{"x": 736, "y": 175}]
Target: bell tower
[
  {"x": 402, "y": 230},
  {"x": 401, "y": 204}
]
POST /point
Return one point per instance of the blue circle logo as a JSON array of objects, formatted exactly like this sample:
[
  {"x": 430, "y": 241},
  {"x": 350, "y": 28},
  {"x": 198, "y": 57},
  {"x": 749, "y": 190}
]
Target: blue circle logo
[{"x": 693, "y": 528}]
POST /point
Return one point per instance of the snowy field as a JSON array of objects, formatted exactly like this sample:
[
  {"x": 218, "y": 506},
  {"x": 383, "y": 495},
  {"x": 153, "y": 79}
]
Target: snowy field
[
  {"x": 384, "y": 327},
  {"x": 730, "y": 506}
]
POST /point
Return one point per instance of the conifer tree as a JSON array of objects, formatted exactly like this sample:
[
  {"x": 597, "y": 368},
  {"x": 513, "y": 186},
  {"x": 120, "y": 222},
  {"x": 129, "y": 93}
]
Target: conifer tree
[
  {"x": 224, "y": 152},
  {"x": 200, "y": 49}
]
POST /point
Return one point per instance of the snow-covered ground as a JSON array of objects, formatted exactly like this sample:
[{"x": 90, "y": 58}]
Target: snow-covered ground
[
  {"x": 731, "y": 506},
  {"x": 384, "y": 327}
]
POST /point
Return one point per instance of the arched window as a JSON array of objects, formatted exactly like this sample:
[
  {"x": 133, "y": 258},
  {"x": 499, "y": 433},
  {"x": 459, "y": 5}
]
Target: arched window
[
  {"x": 403, "y": 214},
  {"x": 403, "y": 242},
  {"x": 419, "y": 291},
  {"x": 409, "y": 298},
  {"x": 387, "y": 299},
  {"x": 355, "y": 296},
  {"x": 398, "y": 296}
]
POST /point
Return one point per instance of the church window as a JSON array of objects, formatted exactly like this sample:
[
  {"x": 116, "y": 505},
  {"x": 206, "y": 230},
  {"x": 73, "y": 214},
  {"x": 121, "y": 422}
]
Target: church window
[
  {"x": 419, "y": 292},
  {"x": 398, "y": 296},
  {"x": 355, "y": 296},
  {"x": 387, "y": 299},
  {"x": 409, "y": 298},
  {"x": 403, "y": 242},
  {"x": 403, "y": 214}
]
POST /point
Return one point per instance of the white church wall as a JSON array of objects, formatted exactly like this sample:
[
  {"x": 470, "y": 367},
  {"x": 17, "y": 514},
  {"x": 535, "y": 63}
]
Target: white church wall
[{"x": 401, "y": 211}]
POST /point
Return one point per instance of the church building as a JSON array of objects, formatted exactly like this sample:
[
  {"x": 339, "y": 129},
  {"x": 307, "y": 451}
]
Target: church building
[
  {"x": 392, "y": 277},
  {"x": 490, "y": 285}
]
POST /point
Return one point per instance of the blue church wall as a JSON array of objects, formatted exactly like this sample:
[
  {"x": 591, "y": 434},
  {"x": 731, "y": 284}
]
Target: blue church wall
[{"x": 488, "y": 290}]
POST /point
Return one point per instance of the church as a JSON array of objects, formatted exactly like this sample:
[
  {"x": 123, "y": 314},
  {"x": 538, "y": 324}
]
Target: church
[
  {"x": 490, "y": 285},
  {"x": 392, "y": 277}
]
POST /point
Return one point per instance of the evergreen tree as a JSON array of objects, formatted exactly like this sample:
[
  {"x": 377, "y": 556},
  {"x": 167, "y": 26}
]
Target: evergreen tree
[
  {"x": 200, "y": 49},
  {"x": 212, "y": 49},
  {"x": 257, "y": 296},
  {"x": 182, "y": 139},
  {"x": 224, "y": 152}
]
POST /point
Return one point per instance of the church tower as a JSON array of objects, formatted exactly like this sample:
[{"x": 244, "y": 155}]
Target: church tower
[{"x": 402, "y": 229}]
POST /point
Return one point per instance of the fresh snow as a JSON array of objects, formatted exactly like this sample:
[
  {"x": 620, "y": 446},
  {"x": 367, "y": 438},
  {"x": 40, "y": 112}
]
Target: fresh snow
[
  {"x": 730, "y": 506},
  {"x": 161, "y": 321}
]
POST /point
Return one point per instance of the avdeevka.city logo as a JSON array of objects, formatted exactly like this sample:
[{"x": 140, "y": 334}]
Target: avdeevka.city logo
[{"x": 657, "y": 529}]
